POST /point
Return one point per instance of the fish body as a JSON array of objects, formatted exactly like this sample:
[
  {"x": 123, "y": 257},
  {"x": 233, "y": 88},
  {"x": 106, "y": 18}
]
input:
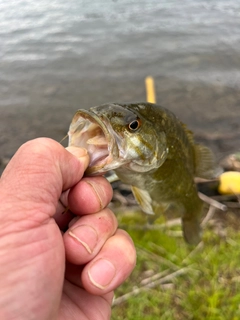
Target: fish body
[{"x": 150, "y": 149}]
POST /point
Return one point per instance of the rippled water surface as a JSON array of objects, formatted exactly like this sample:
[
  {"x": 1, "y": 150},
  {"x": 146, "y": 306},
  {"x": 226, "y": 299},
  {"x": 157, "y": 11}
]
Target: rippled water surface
[{"x": 58, "y": 56}]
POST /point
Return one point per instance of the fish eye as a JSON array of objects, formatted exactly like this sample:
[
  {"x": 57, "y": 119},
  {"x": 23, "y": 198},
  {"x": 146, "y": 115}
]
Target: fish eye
[{"x": 134, "y": 125}]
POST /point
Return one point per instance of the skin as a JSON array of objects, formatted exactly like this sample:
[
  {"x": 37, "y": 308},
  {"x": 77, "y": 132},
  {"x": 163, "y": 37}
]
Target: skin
[
  {"x": 160, "y": 159},
  {"x": 45, "y": 273}
]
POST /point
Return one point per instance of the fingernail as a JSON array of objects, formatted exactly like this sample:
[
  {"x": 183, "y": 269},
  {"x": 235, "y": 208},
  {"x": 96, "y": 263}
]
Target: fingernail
[
  {"x": 86, "y": 236},
  {"x": 95, "y": 188},
  {"x": 81, "y": 154},
  {"x": 78, "y": 152},
  {"x": 101, "y": 273}
]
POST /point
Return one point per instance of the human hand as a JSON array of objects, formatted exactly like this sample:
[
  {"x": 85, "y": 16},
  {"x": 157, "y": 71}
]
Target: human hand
[{"x": 45, "y": 274}]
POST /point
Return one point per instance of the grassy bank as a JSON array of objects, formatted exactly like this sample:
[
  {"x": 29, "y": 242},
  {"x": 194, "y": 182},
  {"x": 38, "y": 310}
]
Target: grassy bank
[{"x": 174, "y": 281}]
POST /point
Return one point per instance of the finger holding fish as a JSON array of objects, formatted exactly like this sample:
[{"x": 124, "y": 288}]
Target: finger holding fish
[{"x": 90, "y": 195}]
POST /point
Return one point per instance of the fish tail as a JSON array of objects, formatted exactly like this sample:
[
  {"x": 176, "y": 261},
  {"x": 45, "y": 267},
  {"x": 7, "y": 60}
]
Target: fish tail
[
  {"x": 191, "y": 219},
  {"x": 192, "y": 230}
]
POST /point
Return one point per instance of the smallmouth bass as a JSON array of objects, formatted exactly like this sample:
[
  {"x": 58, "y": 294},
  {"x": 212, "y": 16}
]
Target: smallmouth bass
[{"x": 150, "y": 149}]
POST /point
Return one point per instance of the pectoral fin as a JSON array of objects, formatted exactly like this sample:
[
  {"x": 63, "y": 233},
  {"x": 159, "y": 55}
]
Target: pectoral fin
[{"x": 144, "y": 200}]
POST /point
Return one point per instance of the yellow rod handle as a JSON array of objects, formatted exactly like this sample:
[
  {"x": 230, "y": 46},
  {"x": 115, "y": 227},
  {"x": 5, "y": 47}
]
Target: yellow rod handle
[{"x": 150, "y": 90}]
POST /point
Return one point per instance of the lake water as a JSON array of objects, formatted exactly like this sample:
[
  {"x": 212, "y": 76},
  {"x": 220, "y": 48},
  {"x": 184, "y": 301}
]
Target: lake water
[{"x": 58, "y": 56}]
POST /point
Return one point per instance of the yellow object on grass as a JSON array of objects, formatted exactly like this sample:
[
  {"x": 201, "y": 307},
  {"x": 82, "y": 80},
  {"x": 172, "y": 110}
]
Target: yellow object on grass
[
  {"x": 229, "y": 182},
  {"x": 150, "y": 90}
]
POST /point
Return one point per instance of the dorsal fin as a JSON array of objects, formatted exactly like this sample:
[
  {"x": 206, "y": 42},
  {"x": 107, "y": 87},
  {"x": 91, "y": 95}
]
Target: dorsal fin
[
  {"x": 205, "y": 166},
  {"x": 188, "y": 133},
  {"x": 204, "y": 162}
]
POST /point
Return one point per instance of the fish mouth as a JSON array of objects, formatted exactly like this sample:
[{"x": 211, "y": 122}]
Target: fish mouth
[{"x": 87, "y": 130}]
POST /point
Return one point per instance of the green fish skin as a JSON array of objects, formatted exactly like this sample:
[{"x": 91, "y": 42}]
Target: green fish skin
[{"x": 153, "y": 151}]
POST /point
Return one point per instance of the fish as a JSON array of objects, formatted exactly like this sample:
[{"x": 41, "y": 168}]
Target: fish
[{"x": 149, "y": 148}]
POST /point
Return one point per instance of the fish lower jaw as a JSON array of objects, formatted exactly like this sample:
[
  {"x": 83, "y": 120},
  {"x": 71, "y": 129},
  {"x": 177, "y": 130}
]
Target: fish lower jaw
[
  {"x": 98, "y": 164},
  {"x": 105, "y": 165}
]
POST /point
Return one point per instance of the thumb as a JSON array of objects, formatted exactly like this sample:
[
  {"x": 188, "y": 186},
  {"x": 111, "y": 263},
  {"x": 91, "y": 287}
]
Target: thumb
[{"x": 35, "y": 178}]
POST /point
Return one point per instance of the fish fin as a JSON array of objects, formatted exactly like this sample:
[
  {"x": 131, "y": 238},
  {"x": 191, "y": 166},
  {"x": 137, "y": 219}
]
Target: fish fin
[
  {"x": 189, "y": 133},
  {"x": 144, "y": 200},
  {"x": 204, "y": 162},
  {"x": 160, "y": 210},
  {"x": 205, "y": 166},
  {"x": 191, "y": 230}
]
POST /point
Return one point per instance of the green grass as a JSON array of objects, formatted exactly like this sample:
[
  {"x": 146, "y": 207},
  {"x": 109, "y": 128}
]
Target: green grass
[{"x": 208, "y": 286}]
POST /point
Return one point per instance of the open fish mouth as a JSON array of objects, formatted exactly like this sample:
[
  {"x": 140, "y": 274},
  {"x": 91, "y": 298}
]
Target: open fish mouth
[{"x": 88, "y": 131}]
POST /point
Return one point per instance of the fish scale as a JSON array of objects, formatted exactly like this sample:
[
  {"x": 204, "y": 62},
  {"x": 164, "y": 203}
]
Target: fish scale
[{"x": 157, "y": 156}]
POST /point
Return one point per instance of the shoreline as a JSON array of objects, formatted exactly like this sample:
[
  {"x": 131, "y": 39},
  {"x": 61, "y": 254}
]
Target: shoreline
[{"x": 210, "y": 111}]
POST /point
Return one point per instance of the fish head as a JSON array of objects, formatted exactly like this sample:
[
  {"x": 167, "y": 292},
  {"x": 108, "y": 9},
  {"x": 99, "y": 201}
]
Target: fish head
[{"x": 116, "y": 136}]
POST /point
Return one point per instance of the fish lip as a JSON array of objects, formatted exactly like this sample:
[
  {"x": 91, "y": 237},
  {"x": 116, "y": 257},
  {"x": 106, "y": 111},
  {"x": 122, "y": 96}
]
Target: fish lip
[{"x": 103, "y": 123}]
